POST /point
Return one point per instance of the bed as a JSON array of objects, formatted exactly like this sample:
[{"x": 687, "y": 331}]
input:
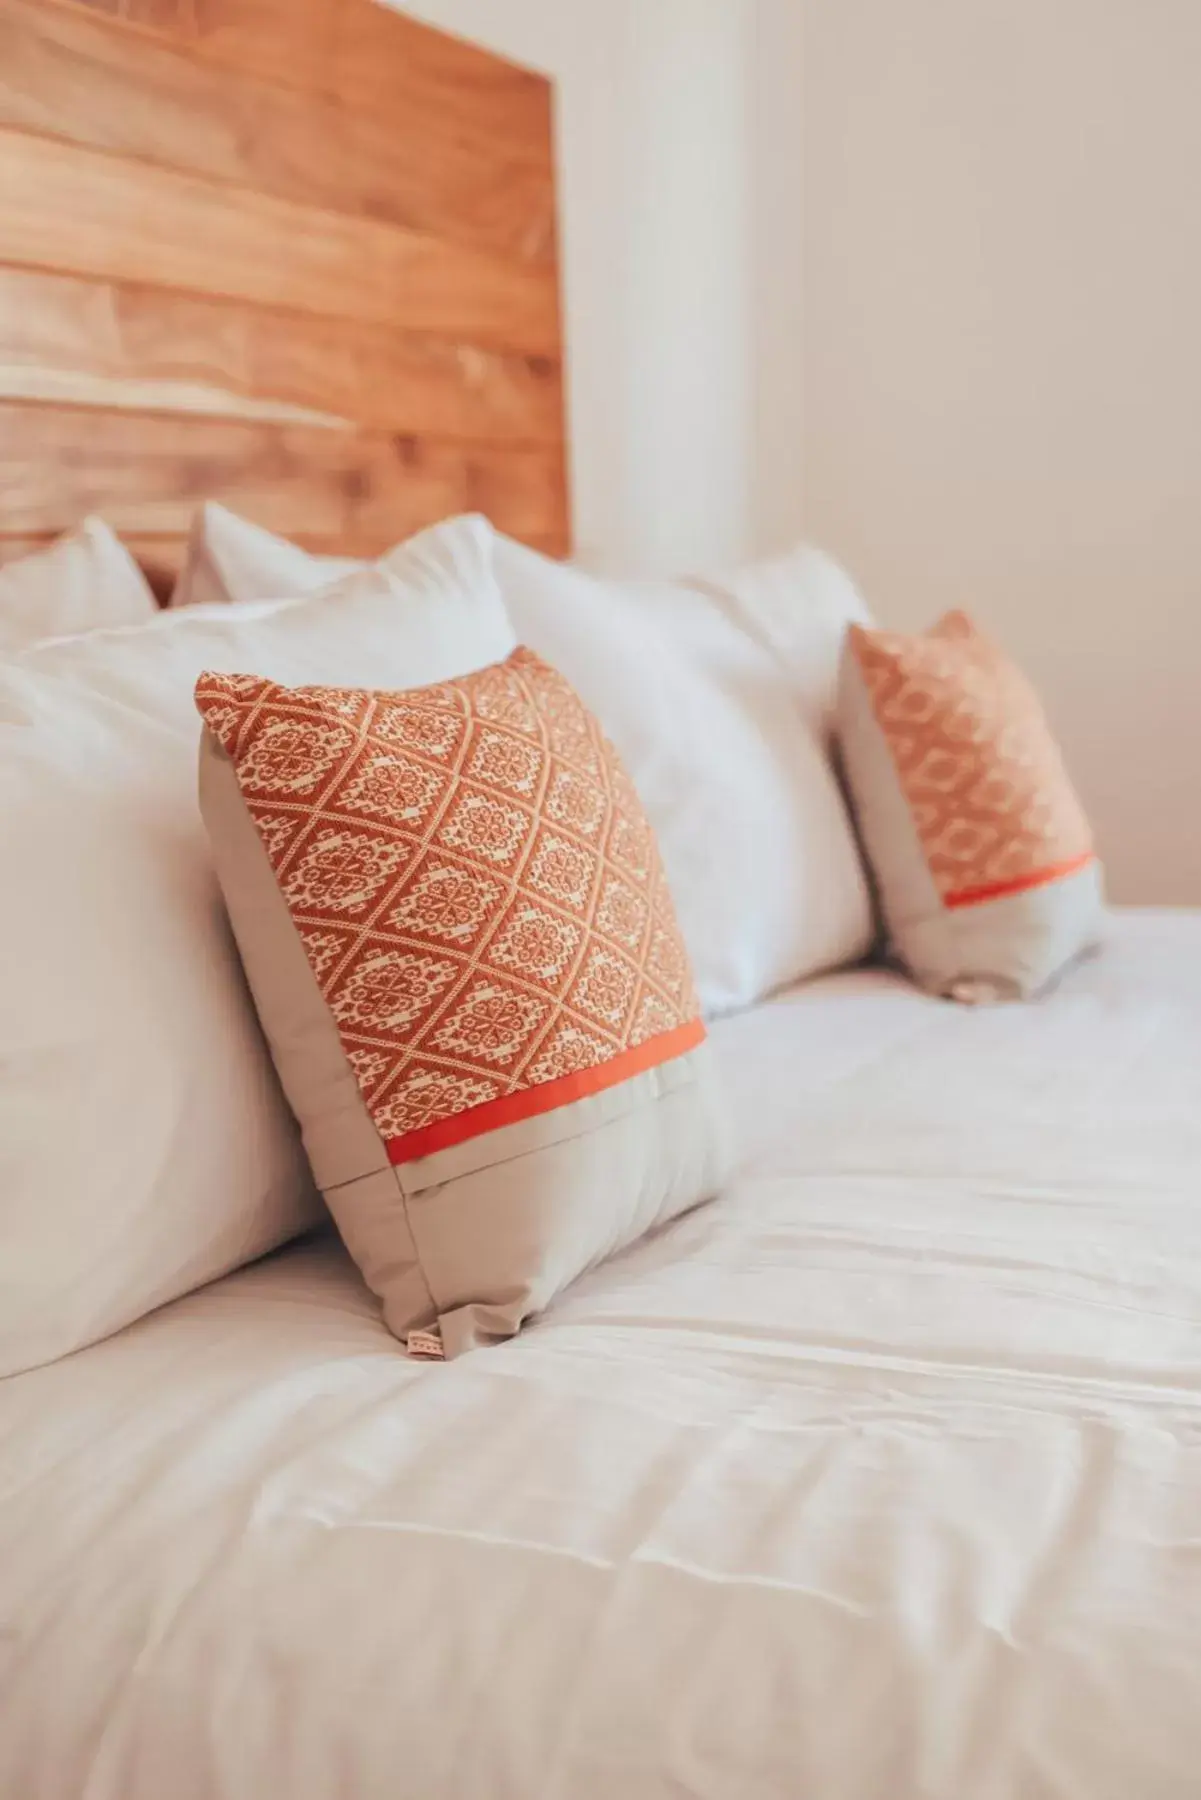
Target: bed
[{"x": 878, "y": 1476}]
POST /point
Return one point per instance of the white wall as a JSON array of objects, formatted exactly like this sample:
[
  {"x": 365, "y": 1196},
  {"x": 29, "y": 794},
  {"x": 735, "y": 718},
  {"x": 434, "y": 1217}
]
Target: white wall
[
  {"x": 775, "y": 69},
  {"x": 920, "y": 279},
  {"x": 1000, "y": 362},
  {"x": 654, "y": 180}
]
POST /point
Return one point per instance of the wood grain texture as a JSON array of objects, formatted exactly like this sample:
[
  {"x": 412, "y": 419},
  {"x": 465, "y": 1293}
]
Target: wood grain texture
[
  {"x": 290, "y": 40},
  {"x": 144, "y": 349},
  {"x": 67, "y": 208},
  {"x": 295, "y": 255},
  {"x": 155, "y": 15},
  {"x": 424, "y": 167},
  {"x": 383, "y": 63},
  {"x": 359, "y": 491},
  {"x": 364, "y": 54}
]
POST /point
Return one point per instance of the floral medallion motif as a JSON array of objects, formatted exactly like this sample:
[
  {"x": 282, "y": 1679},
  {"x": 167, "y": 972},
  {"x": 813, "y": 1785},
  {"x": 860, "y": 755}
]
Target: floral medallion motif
[
  {"x": 474, "y": 883},
  {"x": 340, "y": 871},
  {"x": 447, "y": 901},
  {"x": 984, "y": 779}
]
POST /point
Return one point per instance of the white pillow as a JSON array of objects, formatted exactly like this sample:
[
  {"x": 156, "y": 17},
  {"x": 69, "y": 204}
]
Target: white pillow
[
  {"x": 755, "y": 834},
  {"x": 83, "y": 582},
  {"x": 228, "y": 558},
  {"x": 716, "y": 699},
  {"x": 800, "y": 605},
  {"x": 145, "y": 1147}
]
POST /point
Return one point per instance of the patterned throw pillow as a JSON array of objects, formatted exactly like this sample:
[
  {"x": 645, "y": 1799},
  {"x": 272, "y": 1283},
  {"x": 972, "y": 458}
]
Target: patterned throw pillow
[
  {"x": 983, "y": 857},
  {"x": 455, "y": 922}
]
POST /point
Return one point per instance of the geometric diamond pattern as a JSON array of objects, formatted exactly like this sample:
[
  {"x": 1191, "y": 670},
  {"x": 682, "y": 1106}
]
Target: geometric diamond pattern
[
  {"x": 984, "y": 779},
  {"x": 473, "y": 880}
]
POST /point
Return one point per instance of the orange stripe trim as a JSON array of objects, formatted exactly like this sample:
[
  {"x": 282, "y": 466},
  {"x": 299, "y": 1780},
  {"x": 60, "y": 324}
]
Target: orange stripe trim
[
  {"x": 510, "y": 1109},
  {"x": 1000, "y": 890}
]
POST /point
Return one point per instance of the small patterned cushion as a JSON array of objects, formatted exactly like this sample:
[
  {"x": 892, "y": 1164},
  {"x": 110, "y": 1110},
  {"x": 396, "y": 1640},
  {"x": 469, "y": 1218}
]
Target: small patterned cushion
[
  {"x": 983, "y": 857},
  {"x": 456, "y": 924}
]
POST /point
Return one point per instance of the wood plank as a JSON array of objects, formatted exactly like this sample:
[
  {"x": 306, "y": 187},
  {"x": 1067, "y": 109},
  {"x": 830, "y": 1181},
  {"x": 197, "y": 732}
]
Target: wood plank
[
  {"x": 286, "y": 40},
  {"x": 363, "y": 52},
  {"x": 66, "y": 387},
  {"x": 386, "y": 62},
  {"x": 524, "y": 494},
  {"x": 290, "y": 40},
  {"x": 155, "y": 15},
  {"x": 145, "y": 349},
  {"x": 81, "y": 212},
  {"x": 519, "y": 487},
  {"x": 358, "y": 492},
  {"x": 145, "y": 474},
  {"x": 81, "y": 78}
]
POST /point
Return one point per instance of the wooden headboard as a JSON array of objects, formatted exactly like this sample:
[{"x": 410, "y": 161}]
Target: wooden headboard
[{"x": 295, "y": 255}]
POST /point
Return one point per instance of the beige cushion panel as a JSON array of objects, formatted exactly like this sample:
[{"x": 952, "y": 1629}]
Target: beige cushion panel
[
  {"x": 347, "y": 1155},
  {"x": 496, "y": 1242},
  {"x": 610, "y": 1168}
]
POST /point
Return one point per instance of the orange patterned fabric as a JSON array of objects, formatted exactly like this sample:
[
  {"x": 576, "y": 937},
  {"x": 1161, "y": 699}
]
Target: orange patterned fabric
[
  {"x": 477, "y": 890},
  {"x": 983, "y": 777}
]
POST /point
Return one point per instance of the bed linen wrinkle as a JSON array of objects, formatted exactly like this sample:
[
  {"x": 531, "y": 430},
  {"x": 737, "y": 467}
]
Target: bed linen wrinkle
[{"x": 877, "y": 1480}]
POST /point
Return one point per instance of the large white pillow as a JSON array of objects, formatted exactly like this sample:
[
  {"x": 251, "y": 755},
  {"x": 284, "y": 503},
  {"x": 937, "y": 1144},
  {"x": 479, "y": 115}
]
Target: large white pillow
[
  {"x": 716, "y": 695},
  {"x": 754, "y": 831},
  {"x": 82, "y": 582},
  {"x": 228, "y": 558},
  {"x": 145, "y": 1147},
  {"x": 801, "y": 605}
]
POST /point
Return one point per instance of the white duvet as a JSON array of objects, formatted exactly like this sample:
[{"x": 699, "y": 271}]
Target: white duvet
[{"x": 879, "y": 1478}]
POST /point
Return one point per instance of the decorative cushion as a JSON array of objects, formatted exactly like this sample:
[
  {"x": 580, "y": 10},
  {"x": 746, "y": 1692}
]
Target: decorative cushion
[
  {"x": 983, "y": 856},
  {"x": 458, "y": 931},
  {"x": 83, "y": 582}
]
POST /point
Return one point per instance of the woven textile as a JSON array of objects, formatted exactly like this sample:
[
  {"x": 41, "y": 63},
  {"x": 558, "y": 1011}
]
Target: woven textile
[
  {"x": 984, "y": 779},
  {"x": 476, "y": 888}
]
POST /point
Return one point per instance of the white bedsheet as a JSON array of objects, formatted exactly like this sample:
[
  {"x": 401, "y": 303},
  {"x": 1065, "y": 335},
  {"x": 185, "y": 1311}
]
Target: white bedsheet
[{"x": 879, "y": 1478}]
